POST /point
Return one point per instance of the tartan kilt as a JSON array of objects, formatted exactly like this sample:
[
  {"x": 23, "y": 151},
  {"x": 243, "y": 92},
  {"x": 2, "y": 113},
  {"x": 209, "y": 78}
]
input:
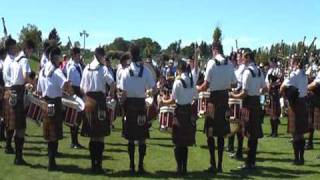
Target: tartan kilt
[
  {"x": 274, "y": 106},
  {"x": 1, "y": 101},
  {"x": 92, "y": 126},
  {"x": 219, "y": 126},
  {"x": 132, "y": 130},
  {"x": 316, "y": 118},
  {"x": 184, "y": 126},
  {"x": 298, "y": 117},
  {"x": 52, "y": 126},
  {"x": 252, "y": 126},
  {"x": 14, "y": 116}
]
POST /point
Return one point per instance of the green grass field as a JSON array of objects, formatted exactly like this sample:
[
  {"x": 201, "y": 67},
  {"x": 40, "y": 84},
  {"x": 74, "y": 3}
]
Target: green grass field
[{"x": 274, "y": 158}]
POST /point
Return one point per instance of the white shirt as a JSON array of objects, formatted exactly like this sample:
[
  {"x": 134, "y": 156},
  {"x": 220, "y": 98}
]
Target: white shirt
[
  {"x": 7, "y": 70},
  {"x": 273, "y": 71},
  {"x": 239, "y": 73},
  {"x": 73, "y": 74},
  {"x": 51, "y": 86},
  {"x": 18, "y": 67},
  {"x": 220, "y": 77},
  {"x": 43, "y": 60},
  {"x": 182, "y": 95},
  {"x": 298, "y": 79},
  {"x": 1, "y": 65},
  {"x": 119, "y": 75},
  {"x": 317, "y": 79},
  {"x": 95, "y": 77},
  {"x": 253, "y": 84},
  {"x": 136, "y": 86}
]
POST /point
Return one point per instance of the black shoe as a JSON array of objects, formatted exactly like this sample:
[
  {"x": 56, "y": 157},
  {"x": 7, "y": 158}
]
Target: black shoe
[
  {"x": 247, "y": 167},
  {"x": 230, "y": 149},
  {"x": 237, "y": 156},
  {"x": 132, "y": 169},
  {"x": 211, "y": 170},
  {"x": 77, "y": 146},
  {"x": 219, "y": 170},
  {"x": 308, "y": 146},
  {"x": 141, "y": 169},
  {"x": 52, "y": 166},
  {"x": 20, "y": 162},
  {"x": 99, "y": 170},
  {"x": 9, "y": 150}
]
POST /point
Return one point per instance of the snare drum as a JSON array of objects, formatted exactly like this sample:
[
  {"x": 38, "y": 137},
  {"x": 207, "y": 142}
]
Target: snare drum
[
  {"x": 235, "y": 106},
  {"x": 166, "y": 118},
  {"x": 73, "y": 107},
  {"x": 35, "y": 110},
  {"x": 203, "y": 100},
  {"x": 71, "y": 117}
]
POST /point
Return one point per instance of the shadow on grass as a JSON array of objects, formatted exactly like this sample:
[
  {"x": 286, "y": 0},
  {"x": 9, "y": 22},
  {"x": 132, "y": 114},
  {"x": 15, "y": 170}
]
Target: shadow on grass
[
  {"x": 273, "y": 172},
  {"x": 117, "y": 150},
  {"x": 162, "y": 145},
  {"x": 36, "y": 142},
  {"x": 115, "y": 144},
  {"x": 160, "y": 138}
]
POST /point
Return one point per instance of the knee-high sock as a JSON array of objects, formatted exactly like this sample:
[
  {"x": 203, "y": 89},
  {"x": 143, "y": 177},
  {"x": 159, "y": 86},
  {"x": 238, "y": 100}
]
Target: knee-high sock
[
  {"x": 220, "y": 151},
  {"x": 240, "y": 143},
  {"x": 9, "y": 135},
  {"x": 142, "y": 153},
  {"x": 211, "y": 147},
  {"x": 131, "y": 150},
  {"x": 19, "y": 142}
]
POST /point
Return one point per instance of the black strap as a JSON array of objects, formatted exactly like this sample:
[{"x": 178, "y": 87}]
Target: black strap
[
  {"x": 50, "y": 74},
  {"x": 78, "y": 69},
  {"x": 225, "y": 62},
  {"x": 183, "y": 83},
  {"x": 21, "y": 58},
  {"x": 140, "y": 72},
  {"x": 253, "y": 74}
]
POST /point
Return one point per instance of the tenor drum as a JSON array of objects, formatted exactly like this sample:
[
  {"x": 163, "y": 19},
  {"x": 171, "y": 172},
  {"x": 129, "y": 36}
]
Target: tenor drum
[
  {"x": 166, "y": 118},
  {"x": 203, "y": 102}
]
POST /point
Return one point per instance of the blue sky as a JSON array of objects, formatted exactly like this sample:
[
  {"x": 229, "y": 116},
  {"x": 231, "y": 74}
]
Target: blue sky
[{"x": 254, "y": 23}]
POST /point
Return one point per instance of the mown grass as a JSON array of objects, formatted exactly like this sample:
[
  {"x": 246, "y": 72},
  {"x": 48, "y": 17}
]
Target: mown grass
[{"x": 274, "y": 159}]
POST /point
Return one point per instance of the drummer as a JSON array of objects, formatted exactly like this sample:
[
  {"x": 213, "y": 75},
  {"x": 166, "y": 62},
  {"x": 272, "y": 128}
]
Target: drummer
[
  {"x": 96, "y": 125},
  {"x": 20, "y": 71},
  {"x": 239, "y": 69},
  {"x": 74, "y": 75},
  {"x": 11, "y": 48},
  {"x": 51, "y": 85},
  {"x": 252, "y": 83},
  {"x": 216, "y": 124},
  {"x": 183, "y": 131}
]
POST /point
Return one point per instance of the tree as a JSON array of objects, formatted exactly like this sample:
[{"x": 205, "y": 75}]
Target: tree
[
  {"x": 217, "y": 33},
  {"x": 31, "y": 32},
  {"x": 53, "y": 35},
  {"x": 174, "y": 48},
  {"x": 148, "y": 46},
  {"x": 118, "y": 44}
]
